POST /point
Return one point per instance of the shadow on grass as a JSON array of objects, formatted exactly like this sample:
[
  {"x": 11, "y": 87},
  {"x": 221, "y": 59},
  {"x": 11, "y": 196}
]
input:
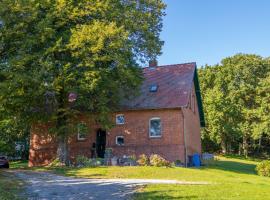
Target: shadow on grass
[
  {"x": 75, "y": 172},
  {"x": 234, "y": 166},
  {"x": 256, "y": 159},
  {"x": 157, "y": 195}
]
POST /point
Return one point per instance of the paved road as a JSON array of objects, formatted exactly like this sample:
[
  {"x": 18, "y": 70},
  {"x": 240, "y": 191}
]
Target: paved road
[{"x": 47, "y": 186}]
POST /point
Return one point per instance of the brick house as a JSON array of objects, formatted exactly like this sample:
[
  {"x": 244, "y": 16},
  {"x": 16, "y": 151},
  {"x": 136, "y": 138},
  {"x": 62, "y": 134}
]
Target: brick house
[{"x": 164, "y": 119}]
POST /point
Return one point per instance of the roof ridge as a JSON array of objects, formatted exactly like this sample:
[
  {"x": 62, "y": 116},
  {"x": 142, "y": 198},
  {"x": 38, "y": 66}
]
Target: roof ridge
[{"x": 171, "y": 65}]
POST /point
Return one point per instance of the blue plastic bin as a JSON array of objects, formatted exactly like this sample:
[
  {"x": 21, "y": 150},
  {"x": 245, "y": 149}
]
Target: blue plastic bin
[{"x": 196, "y": 160}]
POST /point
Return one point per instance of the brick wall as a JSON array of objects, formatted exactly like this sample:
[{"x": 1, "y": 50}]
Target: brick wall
[
  {"x": 136, "y": 134},
  {"x": 136, "y": 137},
  {"x": 192, "y": 126}
]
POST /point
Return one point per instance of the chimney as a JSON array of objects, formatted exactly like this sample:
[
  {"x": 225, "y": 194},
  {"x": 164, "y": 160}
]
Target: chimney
[{"x": 153, "y": 63}]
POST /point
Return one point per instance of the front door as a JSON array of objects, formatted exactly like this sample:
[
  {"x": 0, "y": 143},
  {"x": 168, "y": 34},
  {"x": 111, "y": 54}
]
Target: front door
[{"x": 101, "y": 143}]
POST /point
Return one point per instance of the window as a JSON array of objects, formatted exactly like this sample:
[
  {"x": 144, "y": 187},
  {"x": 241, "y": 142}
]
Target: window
[
  {"x": 120, "y": 119},
  {"x": 155, "y": 127},
  {"x": 119, "y": 140},
  {"x": 82, "y": 131},
  {"x": 153, "y": 88}
]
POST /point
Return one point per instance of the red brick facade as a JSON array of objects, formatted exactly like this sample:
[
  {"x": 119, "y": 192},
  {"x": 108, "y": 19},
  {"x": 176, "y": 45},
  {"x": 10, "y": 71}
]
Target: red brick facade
[{"x": 180, "y": 128}]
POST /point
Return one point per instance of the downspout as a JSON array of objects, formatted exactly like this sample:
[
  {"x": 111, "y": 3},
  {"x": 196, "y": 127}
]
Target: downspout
[{"x": 185, "y": 139}]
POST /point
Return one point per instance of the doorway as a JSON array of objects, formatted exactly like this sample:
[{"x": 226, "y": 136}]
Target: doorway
[{"x": 101, "y": 143}]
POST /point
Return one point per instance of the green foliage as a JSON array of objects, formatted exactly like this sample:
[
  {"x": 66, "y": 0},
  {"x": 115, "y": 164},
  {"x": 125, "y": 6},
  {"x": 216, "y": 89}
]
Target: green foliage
[
  {"x": 6, "y": 148},
  {"x": 20, "y": 164},
  {"x": 91, "y": 48},
  {"x": 12, "y": 131},
  {"x": 83, "y": 161},
  {"x": 143, "y": 160},
  {"x": 235, "y": 98},
  {"x": 263, "y": 168},
  {"x": 158, "y": 161},
  {"x": 262, "y": 113}
]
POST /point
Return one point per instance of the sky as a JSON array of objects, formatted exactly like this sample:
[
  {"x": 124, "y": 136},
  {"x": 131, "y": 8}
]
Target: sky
[{"x": 206, "y": 31}]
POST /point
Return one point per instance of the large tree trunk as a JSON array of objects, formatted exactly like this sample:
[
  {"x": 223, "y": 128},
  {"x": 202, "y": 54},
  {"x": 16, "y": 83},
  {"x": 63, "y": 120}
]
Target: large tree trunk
[
  {"x": 62, "y": 150},
  {"x": 240, "y": 149},
  {"x": 245, "y": 145},
  {"x": 223, "y": 146}
]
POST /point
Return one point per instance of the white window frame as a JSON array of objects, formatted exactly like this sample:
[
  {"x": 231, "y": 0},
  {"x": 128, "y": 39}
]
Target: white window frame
[
  {"x": 118, "y": 116},
  {"x": 116, "y": 140},
  {"x": 78, "y": 134},
  {"x": 155, "y": 136}
]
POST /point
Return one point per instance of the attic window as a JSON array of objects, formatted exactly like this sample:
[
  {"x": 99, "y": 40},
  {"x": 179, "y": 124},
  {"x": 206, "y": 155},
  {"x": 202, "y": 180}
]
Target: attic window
[{"x": 153, "y": 88}]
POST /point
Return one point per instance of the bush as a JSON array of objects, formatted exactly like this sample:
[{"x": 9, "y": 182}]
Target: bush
[
  {"x": 263, "y": 168},
  {"x": 158, "y": 161},
  {"x": 178, "y": 163},
  {"x": 82, "y": 161},
  {"x": 98, "y": 161},
  {"x": 132, "y": 160},
  {"x": 143, "y": 160}
]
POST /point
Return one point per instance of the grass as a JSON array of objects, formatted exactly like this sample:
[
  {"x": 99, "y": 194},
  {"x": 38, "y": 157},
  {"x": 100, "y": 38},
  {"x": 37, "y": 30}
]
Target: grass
[
  {"x": 230, "y": 178},
  {"x": 10, "y": 188},
  {"x": 21, "y": 164}
]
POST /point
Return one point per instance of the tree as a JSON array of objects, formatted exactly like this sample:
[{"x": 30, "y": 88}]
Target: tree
[
  {"x": 59, "y": 58},
  {"x": 262, "y": 113},
  {"x": 231, "y": 101},
  {"x": 220, "y": 112}
]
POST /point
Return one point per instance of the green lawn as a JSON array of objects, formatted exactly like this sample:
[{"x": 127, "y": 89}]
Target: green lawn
[
  {"x": 21, "y": 164},
  {"x": 9, "y": 187},
  {"x": 230, "y": 179}
]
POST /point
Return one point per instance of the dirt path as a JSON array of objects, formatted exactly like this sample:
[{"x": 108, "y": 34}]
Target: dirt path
[{"x": 44, "y": 185}]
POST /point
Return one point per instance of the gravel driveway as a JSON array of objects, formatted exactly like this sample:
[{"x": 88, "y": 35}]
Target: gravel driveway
[{"x": 44, "y": 185}]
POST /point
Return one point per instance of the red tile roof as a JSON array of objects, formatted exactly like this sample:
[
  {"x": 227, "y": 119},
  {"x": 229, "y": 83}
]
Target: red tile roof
[{"x": 174, "y": 85}]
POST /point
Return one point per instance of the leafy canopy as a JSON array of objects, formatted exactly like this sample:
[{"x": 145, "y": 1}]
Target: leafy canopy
[
  {"x": 51, "y": 49},
  {"x": 236, "y": 99}
]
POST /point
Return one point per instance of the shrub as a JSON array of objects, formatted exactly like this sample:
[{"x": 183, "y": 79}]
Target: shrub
[
  {"x": 263, "y": 168},
  {"x": 158, "y": 161},
  {"x": 98, "y": 161},
  {"x": 132, "y": 160},
  {"x": 143, "y": 160},
  {"x": 82, "y": 161},
  {"x": 178, "y": 163}
]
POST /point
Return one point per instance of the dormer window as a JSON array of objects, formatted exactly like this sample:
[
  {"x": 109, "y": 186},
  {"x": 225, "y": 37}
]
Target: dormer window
[
  {"x": 153, "y": 88},
  {"x": 120, "y": 119}
]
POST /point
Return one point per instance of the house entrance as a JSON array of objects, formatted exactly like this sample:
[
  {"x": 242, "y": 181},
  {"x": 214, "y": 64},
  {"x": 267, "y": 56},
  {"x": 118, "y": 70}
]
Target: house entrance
[{"x": 101, "y": 143}]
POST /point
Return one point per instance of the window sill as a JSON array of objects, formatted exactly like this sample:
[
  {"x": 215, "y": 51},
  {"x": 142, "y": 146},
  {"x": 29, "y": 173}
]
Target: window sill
[{"x": 155, "y": 136}]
